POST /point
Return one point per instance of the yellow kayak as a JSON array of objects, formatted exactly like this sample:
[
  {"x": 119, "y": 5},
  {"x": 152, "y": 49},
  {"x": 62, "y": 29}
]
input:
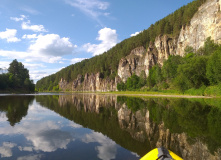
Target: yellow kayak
[{"x": 161, "y": 154}]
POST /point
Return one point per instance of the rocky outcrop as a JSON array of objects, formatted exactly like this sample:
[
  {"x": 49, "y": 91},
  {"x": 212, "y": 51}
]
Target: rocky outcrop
[
  {"x": 90, "y": 82},
  {"x": 133, "y": 63},
  {"x": 205, "y": 23}
]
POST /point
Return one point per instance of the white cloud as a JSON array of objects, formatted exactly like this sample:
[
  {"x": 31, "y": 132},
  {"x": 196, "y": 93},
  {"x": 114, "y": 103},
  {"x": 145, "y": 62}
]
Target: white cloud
[
  {"x": 134, "y": 34},
  {"x": 9, "y": 35},
  {"x": 17, "y": 19},
  {"x": 92, "y": 8},
  {"x": 75, "y": 125},
  {"x": 76, "y": 60},
  {"x": 107, "y": 149},
  {"x": 53, "y": 45},
  {"x": 4, "y": 64},
  {"x": 34, "y": 65},
  {"x": 36, "y": 28},
  {"x": 108, "y": 38},
  {"x": 5, "y": 150},
  {"x": 30, "y": 36}
]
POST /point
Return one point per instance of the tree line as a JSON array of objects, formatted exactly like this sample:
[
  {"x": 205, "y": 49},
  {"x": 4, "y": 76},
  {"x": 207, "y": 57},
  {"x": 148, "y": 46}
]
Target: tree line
[
  {"x": 107, "y": 63},
  {"x": 16, "y": 79},
  {"x": 195, "y": 71}
]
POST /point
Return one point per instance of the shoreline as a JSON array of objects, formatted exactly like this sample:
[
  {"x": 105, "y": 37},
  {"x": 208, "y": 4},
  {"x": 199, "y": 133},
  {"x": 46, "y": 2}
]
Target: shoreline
[
  {"x": 151, "y": 94},
  {"x": 131, "y": 93}
]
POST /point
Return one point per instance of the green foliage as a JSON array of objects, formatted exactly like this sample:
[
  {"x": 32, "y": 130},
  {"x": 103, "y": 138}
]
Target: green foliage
[
  {"x": 107, "y": 63},
  {"x": 213, "y": 90},
  {"x": 121, "y": 86},
  {"x": 192, "y": 74},
  {"x": 213, "y": 70},
  {"x": 133, "y": 83},
  {"x": 194, "y": 91},
  {"x": 188, "y": 50},
  {"x": 17, "y": 78},
  {"x": 155, "y": 76},
  {"x": 169, "y": 69}
]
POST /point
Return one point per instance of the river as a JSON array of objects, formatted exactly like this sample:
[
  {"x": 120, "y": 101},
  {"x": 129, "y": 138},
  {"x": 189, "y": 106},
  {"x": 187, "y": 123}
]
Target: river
[{"x": 97, "y": 126}]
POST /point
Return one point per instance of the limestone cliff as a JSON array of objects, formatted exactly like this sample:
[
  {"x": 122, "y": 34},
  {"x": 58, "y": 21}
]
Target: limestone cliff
[
  {"x": 205, "y": 23},
  {"x": 90, "y": 82}
]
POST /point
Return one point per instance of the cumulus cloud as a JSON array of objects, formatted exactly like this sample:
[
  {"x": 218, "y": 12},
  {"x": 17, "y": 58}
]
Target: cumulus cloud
[
  {"x": 134, "y": 34},
  {"x": 52, "y": 44},
  {"x": 36, "y": 28},
  {"x": 6, "y": 149},
  {"x": 74, "y": 125},
  {"x": 108, "y": 38},
  {"x": 30, "y": 36},
  {"x": 92, "y": 8},
  {"x": 50, "y": 140},
  {"x": 9, "y": 35},
  {"x": 4, "y": 65},
  {"x": 76, "y": 60},
  {"x": 17, "y": 19},
  {"x": 107, "y": 149},
  {"x": 44, "y": 49}
]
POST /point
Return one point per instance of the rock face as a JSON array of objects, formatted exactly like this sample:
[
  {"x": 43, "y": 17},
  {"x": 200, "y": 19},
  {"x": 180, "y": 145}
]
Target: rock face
[
  {"x": 205, "y": 23},
  {"x": 92, "y": 82},
  {"x": 133, "y": 63}
]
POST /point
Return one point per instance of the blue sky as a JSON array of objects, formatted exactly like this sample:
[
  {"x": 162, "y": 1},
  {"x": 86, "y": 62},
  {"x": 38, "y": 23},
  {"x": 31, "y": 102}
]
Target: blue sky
[{"x": 47, "y": 35}]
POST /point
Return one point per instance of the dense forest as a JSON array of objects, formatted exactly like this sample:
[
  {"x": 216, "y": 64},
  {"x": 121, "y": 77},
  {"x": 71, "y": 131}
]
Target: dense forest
[
  {"x": 196, "y": 73},
  {"x": 107, "y": 63},
  {"x": 16, "y": 79}
]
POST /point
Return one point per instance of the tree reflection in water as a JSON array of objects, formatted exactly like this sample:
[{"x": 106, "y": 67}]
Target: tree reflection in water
[
  {"x": 189, "y": 127},
  {"x": 15, "y": 107}
]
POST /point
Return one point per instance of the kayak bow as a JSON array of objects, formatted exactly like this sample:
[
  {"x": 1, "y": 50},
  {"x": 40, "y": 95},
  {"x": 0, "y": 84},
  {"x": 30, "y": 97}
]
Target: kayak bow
[{"x": 161, "y": 154}]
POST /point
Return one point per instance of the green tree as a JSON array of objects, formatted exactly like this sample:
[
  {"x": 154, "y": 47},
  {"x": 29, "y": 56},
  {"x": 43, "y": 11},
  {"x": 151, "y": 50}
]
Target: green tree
[
  {"x": 133, "y": 83},
  {"x": 169, "y": 69},
  {"x": 18, "y": 72},
  {"x": 192, "y": 74},
  {"x": 213, "y": 70}
]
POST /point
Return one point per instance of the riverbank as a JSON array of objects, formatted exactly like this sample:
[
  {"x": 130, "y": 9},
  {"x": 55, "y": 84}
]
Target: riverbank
[
  {"x": 155, "y": 94},
  {"x": 172, "y": 94}
]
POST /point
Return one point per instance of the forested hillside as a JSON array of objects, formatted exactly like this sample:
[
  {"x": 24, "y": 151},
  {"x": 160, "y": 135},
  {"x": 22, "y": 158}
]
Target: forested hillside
[
  {"x": 107, "y": 63},
  {"x": 197, "y": 73}
]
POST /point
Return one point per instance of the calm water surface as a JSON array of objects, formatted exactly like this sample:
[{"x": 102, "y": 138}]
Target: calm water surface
[{"x": 88, "y": 126}]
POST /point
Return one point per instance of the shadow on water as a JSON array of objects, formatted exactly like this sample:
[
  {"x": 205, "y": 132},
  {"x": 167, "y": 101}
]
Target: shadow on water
[
  {"x": 15, "y": 107},
  {"x": 189, "y": 127}
]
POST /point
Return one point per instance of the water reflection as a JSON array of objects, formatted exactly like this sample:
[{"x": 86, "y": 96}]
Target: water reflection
[
  {"x": 43, "y": 134},
  {"x": 189, "y": 127},
  {"x": 14, "y": 107},
  {"x": 107, "y": 127}
]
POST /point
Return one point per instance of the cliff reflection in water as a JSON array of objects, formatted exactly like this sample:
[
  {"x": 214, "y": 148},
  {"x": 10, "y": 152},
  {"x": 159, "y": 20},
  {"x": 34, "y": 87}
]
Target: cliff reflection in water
[{"x": 190, "y": 128}]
